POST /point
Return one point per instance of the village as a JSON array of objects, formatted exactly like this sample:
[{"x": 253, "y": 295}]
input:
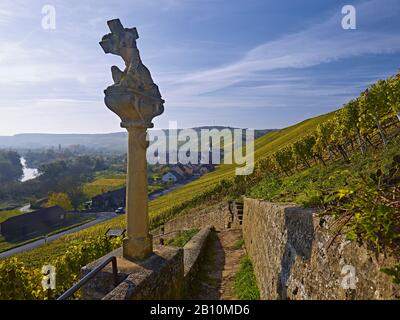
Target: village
[{"x": 172, "y": 176}]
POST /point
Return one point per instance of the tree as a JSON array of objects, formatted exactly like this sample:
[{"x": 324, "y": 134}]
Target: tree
[
  {"x": 323, "y": 137},
  {"x": 77, "y": 196},
  {"x": 265, "y": 166},
  {"x": 374, "y": 104},
  {"x": 10, "y": 166},
  {"x": 393, "y": 91},
  {"x": 340, "y": 136},
  {"x": 350, "y": 115},
  {"x": 303, "y": 150},
  {"x": 284, "y": 159},
  {"x": 59, "y": 199}
]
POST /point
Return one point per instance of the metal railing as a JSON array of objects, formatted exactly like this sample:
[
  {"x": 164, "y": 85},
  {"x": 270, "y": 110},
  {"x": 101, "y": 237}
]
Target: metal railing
[
  {"x": 166, "y": 234},
  {"x": 90, "y": 275}
]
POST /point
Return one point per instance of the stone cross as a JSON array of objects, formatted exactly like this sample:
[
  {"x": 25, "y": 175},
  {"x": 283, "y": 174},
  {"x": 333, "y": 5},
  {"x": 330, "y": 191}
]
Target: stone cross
[{"x": 136, "y": 99}]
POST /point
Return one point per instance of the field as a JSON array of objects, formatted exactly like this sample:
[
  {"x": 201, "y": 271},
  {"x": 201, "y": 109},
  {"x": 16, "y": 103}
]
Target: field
[
  {"x": 104, "y": 183},
  {"x": 4, "y": 215}
]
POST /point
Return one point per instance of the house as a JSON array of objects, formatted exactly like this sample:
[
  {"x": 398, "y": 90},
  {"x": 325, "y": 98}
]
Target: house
[
  {"x": 178, "y": 168},
  {"x": 172, "y": 177},
  {"x": 110, "y": 200},
  {"x": 188, "y": 168},
  {"x": 36, "y": 222},
  {"x": 196, "y": 169},
  {"x": 206, "y": 168}
]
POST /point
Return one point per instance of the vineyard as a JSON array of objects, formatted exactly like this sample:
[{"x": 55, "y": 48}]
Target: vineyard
[
  {"x": 361, "y": 129},
  {"x": 354, "y": 126},
  {"x": 357, "y": 174}
]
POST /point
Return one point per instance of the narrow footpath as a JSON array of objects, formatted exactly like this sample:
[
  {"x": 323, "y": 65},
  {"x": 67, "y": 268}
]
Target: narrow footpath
[{"x": 221, "y": 263}]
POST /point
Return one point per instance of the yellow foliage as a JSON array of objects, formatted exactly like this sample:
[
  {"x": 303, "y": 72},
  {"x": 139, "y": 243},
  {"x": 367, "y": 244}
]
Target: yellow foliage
[{"x": 59, "y": 199}]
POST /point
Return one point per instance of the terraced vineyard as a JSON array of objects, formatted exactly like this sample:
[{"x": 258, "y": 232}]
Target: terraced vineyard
[
  {"x": 264, "y": 146},
  {"x": 281, "y": 153}
]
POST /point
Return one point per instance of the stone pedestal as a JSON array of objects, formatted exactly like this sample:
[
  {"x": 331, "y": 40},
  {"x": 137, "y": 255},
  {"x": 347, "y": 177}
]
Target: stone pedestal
[{"x": 137, "y": 248}]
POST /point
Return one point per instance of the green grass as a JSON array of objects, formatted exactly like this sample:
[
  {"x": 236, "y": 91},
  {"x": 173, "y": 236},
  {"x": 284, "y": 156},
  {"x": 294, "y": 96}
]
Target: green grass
[
  {"x": 238, "y": 244},
  {"x": 182, "y": 238},
  {"x": 4, "y": 245},
  {"x": 109, "y": 175},
  {"x": 245, "y": 281},
  {"x": 4, "y": 215}
]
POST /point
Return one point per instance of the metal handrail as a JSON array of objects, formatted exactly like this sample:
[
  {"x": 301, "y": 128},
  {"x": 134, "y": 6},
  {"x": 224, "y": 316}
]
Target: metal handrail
[
  {"x": 90, "y": 275},
  {"x": 167, "y": 233}
]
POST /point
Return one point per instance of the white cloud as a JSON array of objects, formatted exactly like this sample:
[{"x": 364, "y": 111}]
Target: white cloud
[
  {"x": 64, "y": 72},
  {"x": 320, "y": 44}
]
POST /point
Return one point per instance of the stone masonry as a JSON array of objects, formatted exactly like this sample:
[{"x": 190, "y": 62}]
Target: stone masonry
[{"x": 296, "y": 255}]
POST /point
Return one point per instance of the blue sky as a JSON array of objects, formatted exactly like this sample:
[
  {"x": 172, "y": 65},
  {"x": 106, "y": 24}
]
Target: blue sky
[{"x": 257, "y": 64}]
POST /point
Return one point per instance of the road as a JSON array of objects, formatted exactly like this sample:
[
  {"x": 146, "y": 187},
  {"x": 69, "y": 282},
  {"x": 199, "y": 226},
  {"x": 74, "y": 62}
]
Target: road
[
  {"x": 26, "y": 208},
  {"x": 100, "y": 217},
  {"x": 170, "y": 189}
]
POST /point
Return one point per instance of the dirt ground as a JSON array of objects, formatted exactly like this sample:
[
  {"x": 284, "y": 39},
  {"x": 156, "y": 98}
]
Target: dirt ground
[{"x": 221, "y": 263}]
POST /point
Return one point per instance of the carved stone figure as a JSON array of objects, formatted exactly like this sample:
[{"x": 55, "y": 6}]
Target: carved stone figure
[{"x": 134, "y": 97}]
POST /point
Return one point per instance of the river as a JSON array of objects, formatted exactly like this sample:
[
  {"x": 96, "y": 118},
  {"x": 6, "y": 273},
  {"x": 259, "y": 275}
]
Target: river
[{"x": 29, "y": 173}]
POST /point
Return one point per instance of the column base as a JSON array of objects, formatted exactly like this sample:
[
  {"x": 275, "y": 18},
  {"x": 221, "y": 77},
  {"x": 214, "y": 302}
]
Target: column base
[{"x": 137, "y": 248}]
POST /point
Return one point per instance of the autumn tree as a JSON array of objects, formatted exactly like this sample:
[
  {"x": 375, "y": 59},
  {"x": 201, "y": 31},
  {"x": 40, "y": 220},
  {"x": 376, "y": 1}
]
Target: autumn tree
[
  {"x": 59, "y": 199},
  {"x": 303, "y": 150},
  {"x": 284, "y": 159},
  {"x": 393, "y": 91}
]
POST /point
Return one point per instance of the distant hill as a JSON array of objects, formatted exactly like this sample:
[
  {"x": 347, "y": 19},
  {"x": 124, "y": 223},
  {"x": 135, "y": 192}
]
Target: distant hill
[{"x": 116, "y": 141}]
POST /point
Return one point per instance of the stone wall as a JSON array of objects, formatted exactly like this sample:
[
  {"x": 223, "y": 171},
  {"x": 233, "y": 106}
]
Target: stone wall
[
  {"x": 193, "y": 254},
  {"x": 219, "y": 216},
  {"x": 166, "y": 274},
  {"x": 160, "y": 276},
  {"x": 296, "y": 255}
]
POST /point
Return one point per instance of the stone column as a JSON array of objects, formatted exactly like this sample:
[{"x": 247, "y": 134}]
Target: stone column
[
  {"x": 138, "y": 243},
  {"x": 136, "y": 99}
]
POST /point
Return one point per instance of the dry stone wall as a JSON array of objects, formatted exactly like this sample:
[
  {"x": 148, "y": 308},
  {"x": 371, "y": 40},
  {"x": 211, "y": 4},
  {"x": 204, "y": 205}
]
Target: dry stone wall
[
  {"x": 219, "y": 216},
  {"x": 169, "y": 273},
  {"x": 296, "y": 255},
  {"x": 193, "y": 256}
]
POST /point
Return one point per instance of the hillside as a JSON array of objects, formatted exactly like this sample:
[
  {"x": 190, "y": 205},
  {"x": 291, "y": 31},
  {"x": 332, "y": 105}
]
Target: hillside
[
  {"x": 265, "y": 145},
  {"x": 116, "y": 141},
  {"x": 345, "y": 162}
]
